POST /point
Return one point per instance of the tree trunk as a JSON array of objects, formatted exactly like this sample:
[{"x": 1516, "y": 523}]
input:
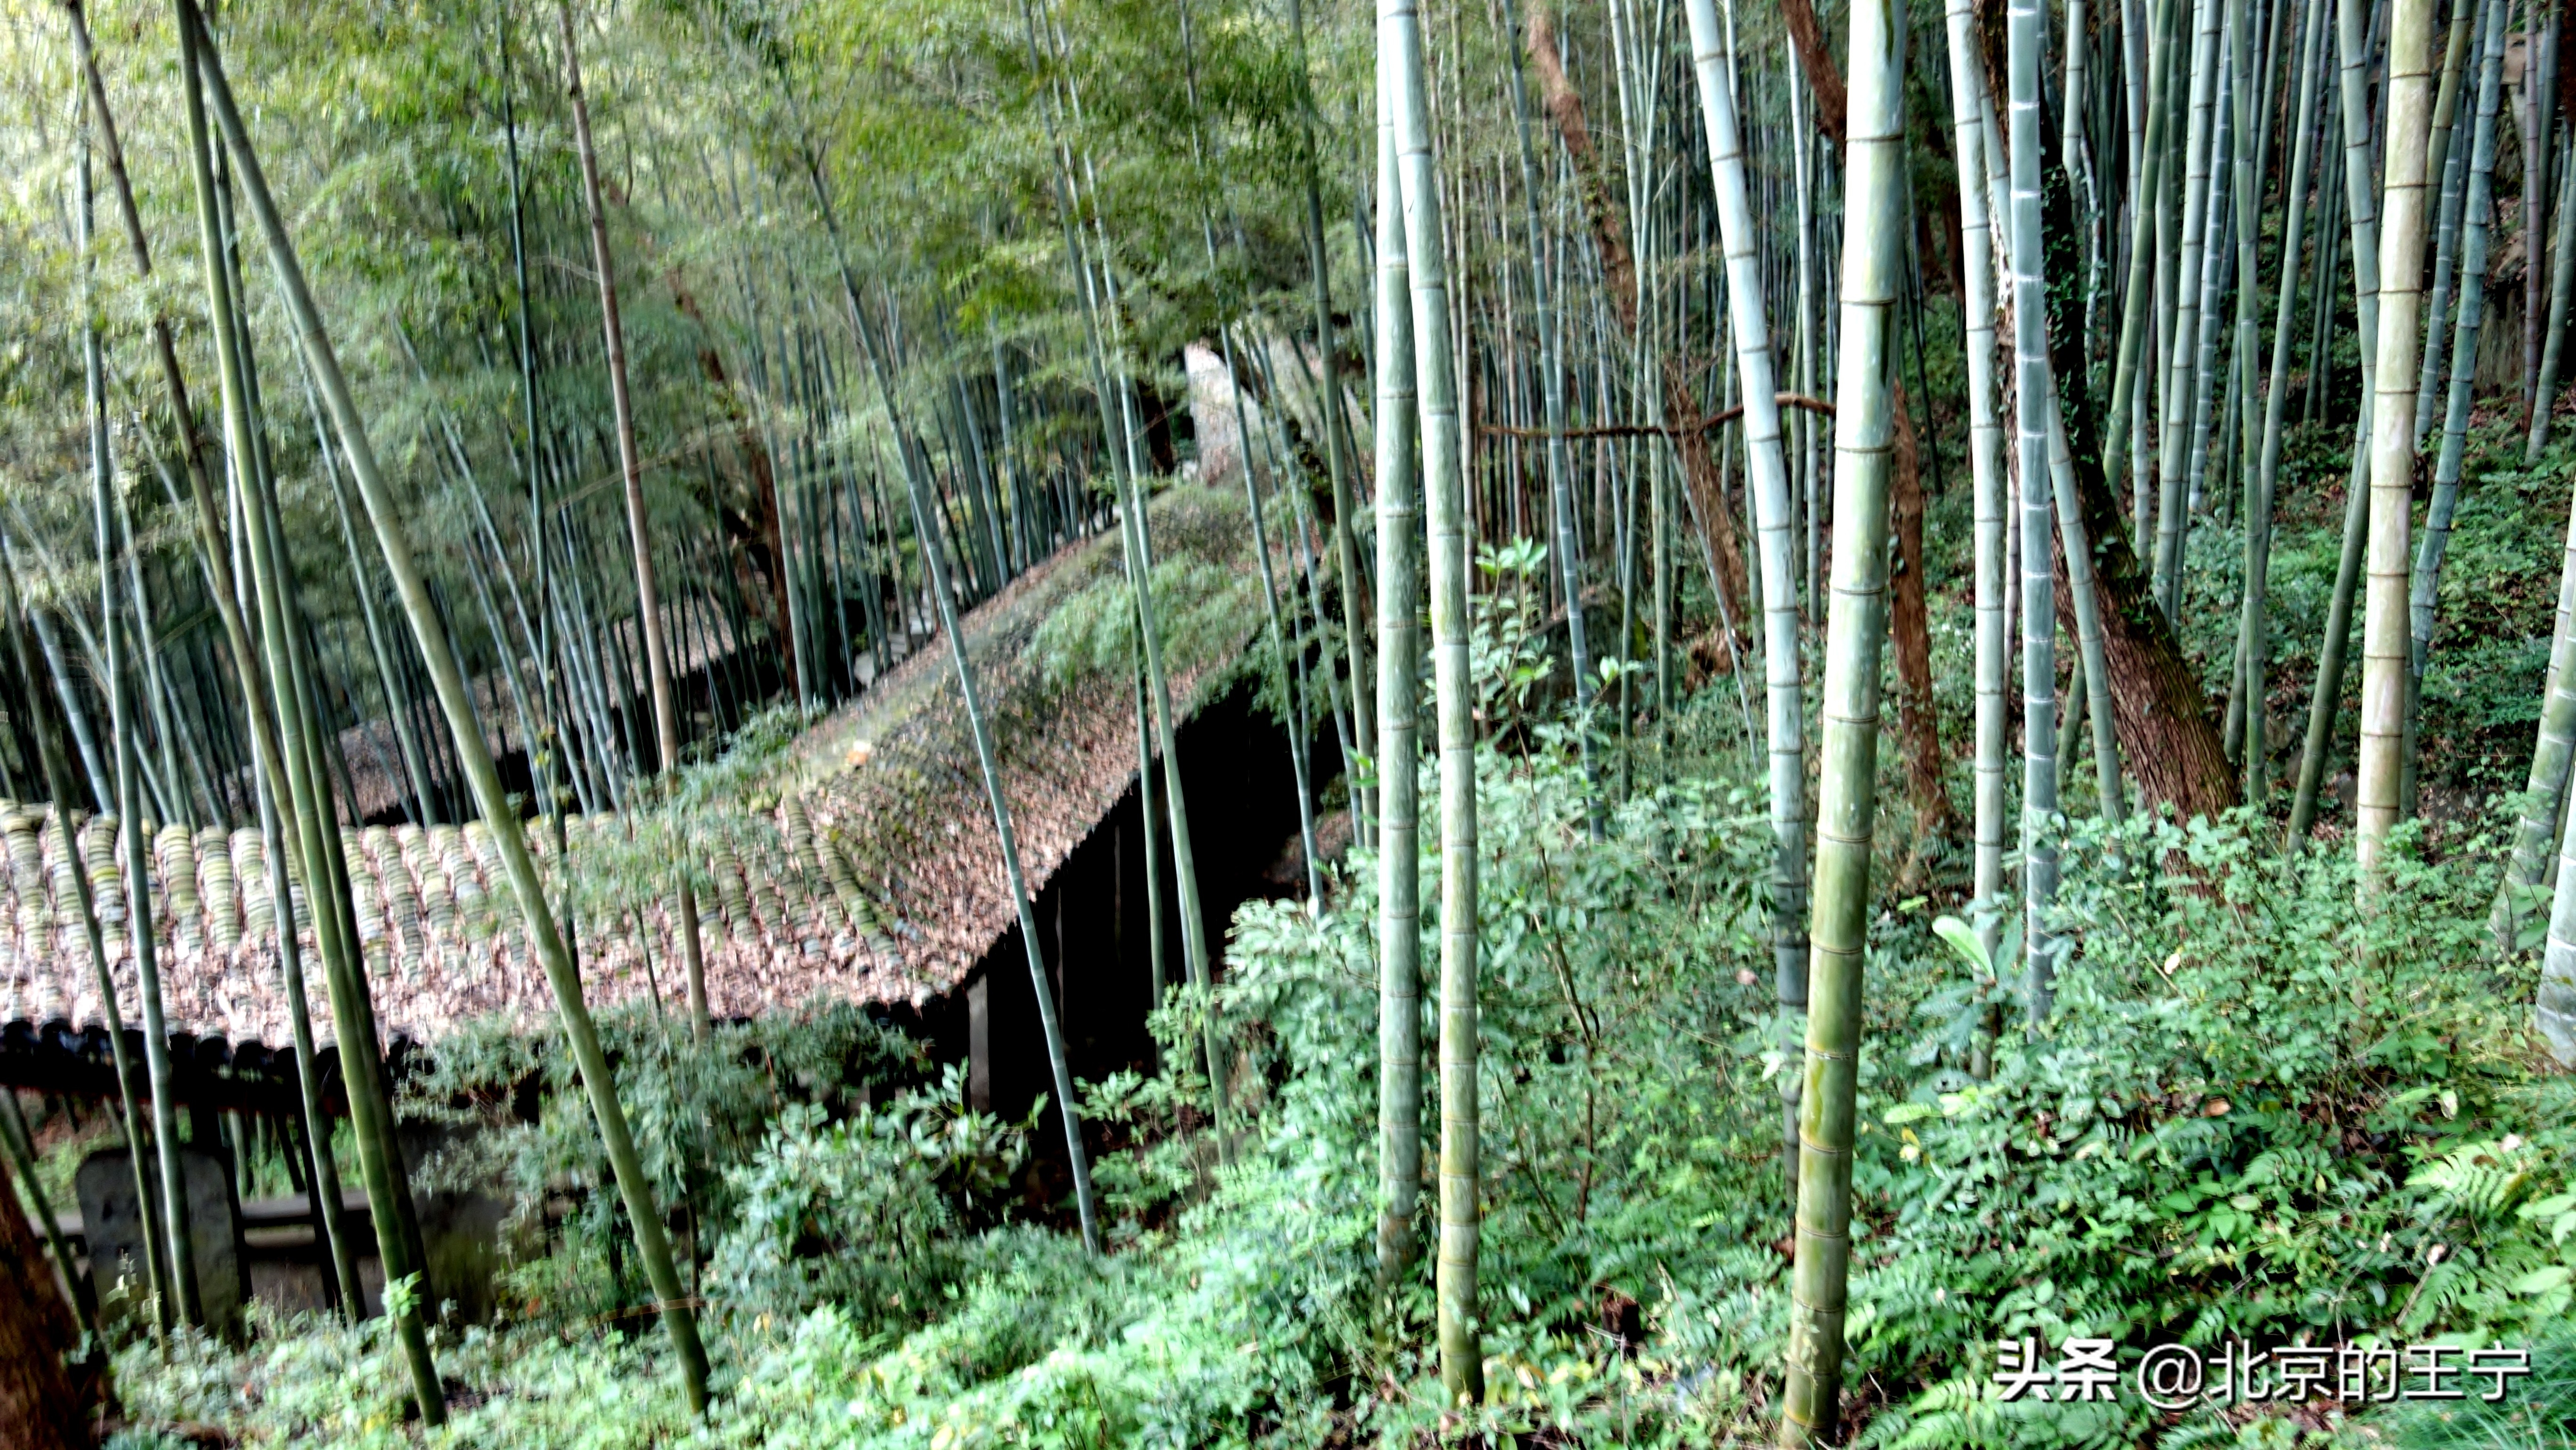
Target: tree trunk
[
  {"x": 1817, "y": 64},
  {"x": 759, "y": 555},
  {"x": 18, "y": 1145},
  {"x": 40, "y": 1408},
  {"x": 1910, "y": 630},
  {"x": 2167, "y": 734}
]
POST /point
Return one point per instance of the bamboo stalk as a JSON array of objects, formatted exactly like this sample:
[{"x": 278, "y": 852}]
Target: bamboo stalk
[
  {"x": 2423, "y": 592},
  {"x": 1331, "y": 415},
  {"x": 2137, "y": 321},
  {"x": 2540, "y": 89},
  {"x": 298, "y": 719},
  {"x": 2253, "y": 626},
  {"x": 2385, "y": 644},
  {"x": 2026, "y": 31},
  {"x": 2562, "y": 290},
  {"x": 1985, "y": 454},
  {"x": 2093, "y": 669},
  {"x": 926, "y": 522},
  {"x": 2451, "y": 167},
  {"x": 2357, "y": 195},
  {"x": 1291, "y": 668},
  {"x": 17, "y": 620},
  {"x": 1445, "y": 517},
  {"x": 1767, "y": 481},
  {"x": 2182, "y": 376},
  {"x": 648, "y": 598},
  {"x": 1864, "y": 438},
  {"x": 1399, "y": 646},
  {"x": 652, "y": 1240},
  {"x": 173, "y": 1182}
]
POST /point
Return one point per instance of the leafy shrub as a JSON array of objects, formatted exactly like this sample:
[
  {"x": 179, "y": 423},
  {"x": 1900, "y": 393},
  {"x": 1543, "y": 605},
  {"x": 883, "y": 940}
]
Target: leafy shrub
[
  {"x": 2255, "y": 1113},
  {"x": 309, "y": 1379},
  {"x": 696, "y": 1110},
  {"x": 856, "y": 1211}
]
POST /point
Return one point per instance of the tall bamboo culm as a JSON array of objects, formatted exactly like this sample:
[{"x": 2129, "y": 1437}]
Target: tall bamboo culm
[
  {"x": 2562, "y": 291},
  {"x": 1767, "y": 474},
  {"x": 2254, "y": 625},
  {"x": 1560, "y": 463},
  {"x": 2358, "y": 195},
  {"x": 2092, "y": 683},
  {"x": 58, "y": 788},
  {"x": 1444, "y": 501},
  {"x": 1847, "y": 801},
  {"x": 652, "y": 1238},
  {"x": 2026, "y": 32},
  {"x": 2553, "y": 748},
  {"x": 2554, "y": 1009},
  {"x": 2384, "y": 640},
  {"x": 2477, "y": 234},
  {"x": 630, "y": 467},
  {"x": 2135, "y": 365},
  {"x": 289, "y": 756},
  {"x": 2181, "y": 376},
  {"x": 1332, "y": 414},
  {"x": 925, "y": 523},
  {"x": 1399, "y": 651},
  {"x": 1985, "y": 459}
]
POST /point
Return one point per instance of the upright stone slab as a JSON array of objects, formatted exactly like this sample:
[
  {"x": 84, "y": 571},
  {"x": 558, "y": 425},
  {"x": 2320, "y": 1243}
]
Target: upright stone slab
[
  {"x": 979, "y": 1044},
  {"x": 114, "y": 1228},
  {"x": 466, "y": 1234}
]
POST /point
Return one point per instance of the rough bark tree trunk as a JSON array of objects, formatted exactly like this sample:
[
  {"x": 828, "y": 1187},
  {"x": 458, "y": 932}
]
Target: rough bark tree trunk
[
  {"x": 1817, "y": 64},
  {"x": 40, "y": 1408},
  {"x": 2168, "y": 735},
  {"x": 1909, "y": 624},
  {"x": 753, "y": 535}
]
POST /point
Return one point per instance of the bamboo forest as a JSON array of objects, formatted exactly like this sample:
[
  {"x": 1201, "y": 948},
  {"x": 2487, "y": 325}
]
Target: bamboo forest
[{"x": 1288, "y": 723}]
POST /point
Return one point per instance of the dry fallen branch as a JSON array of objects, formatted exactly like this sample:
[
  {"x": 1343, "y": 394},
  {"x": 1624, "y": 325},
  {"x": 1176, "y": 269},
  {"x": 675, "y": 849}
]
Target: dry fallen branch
[{"x": 1640, "y": 430}]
